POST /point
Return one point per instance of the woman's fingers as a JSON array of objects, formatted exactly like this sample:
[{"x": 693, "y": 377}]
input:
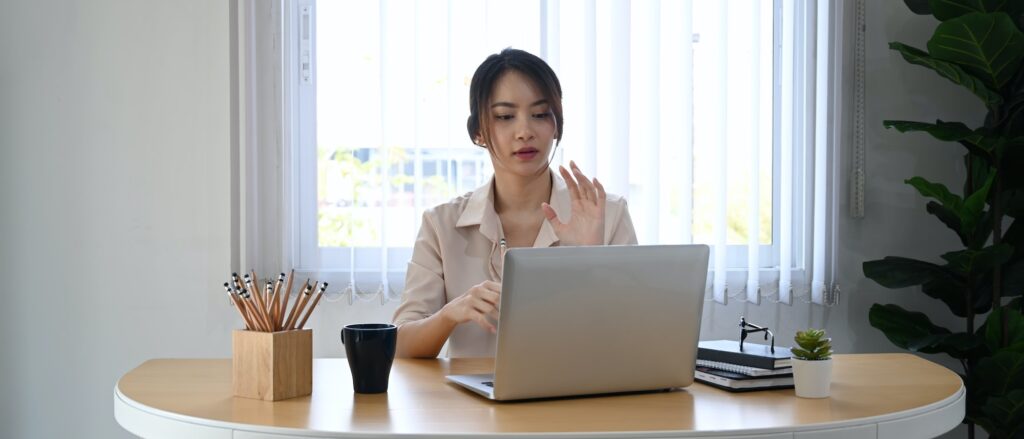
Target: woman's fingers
[
  {"x": 484, "y": 301},
  {"x": 586, "y": 187},
  {"x": 601, "y": 195},
  {"x": 550, "y": 214},
  {"x": 490, "y": 292},
  {"x": 574, "y": 190},
  {"x": 485, "y": 308},
  {"x": 482, "y": 321},
  {"x": 482, "y": 310}
]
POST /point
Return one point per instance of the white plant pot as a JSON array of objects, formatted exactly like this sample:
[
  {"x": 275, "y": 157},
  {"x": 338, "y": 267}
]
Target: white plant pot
[{"x": 812, "y": 379}]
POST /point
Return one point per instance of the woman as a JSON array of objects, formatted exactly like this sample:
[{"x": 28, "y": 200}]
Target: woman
[{"x": 453, "y": 282}]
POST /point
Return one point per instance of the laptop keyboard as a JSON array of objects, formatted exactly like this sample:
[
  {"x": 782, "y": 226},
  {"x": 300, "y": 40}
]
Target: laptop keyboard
[{"x": 488, "y": 383}]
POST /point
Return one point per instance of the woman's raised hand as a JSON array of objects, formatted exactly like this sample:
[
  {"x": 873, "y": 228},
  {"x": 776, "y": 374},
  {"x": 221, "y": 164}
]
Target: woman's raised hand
[
  {"x": 586, "y": 227},
  {"x": 479, "y": 303}
]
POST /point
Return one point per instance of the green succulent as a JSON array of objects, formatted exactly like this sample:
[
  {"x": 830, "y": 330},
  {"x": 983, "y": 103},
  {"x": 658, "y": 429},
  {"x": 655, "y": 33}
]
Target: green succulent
[{"x": 813, "y": 345}]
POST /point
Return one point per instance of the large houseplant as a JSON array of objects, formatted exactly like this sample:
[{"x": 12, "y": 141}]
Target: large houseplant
[{"x": 979, "y": 45}]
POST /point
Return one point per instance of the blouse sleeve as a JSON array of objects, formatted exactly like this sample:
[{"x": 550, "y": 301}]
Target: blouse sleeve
[
  {"x": 424, "y": 292},
  {"x": 622, "y": 233}
]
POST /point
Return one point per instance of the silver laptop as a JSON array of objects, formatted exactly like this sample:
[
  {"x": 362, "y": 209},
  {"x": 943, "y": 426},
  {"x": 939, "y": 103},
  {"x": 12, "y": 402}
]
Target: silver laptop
[{"x": 589, "y": 320}]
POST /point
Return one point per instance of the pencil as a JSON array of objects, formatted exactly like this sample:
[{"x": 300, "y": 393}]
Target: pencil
[
  {"x": 238, "y": 306},
  {"x": 254, "y": 291},
  {"x": 256, "y": 283},
  {"x": 246, "y": 305},
  {"x": 309, "y": 311},
  {"x": 302, "y": 305},
  {"x": 259, "y": 316},
  {"x": 297, "y": 305},
  {"x": 274, "y": 303},
  {"x": 266, "y": 295},
  {"x": 284, "y": 299}
]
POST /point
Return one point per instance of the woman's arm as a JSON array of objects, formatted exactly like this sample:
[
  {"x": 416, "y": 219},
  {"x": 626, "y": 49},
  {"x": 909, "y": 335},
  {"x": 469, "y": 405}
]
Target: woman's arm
[
  {"x": 423, "y": 338},
  {"x": 421, "y": 329},
  {"x": 425, "y": 319}
]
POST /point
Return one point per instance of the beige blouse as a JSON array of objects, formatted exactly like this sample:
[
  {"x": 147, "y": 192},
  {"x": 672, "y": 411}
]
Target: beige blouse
[{"x": 458, "y": 247}]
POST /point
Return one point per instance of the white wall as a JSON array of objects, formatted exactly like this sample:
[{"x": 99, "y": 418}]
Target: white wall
[
  {"x": 115, "y": 193},
  {"x": 114, "y": 186}
]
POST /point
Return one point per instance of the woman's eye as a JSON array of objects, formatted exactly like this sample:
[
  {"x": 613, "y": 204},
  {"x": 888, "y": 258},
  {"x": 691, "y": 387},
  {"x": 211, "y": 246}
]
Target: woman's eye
[
  {"x": 503, "y": 116},
  {"x": 542, "y": 115}
]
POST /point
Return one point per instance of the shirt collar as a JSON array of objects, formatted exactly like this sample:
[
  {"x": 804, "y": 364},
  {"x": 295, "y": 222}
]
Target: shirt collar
[{"x": 480, "y": 211}]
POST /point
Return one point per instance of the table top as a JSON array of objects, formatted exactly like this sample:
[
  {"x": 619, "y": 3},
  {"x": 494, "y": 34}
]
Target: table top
[{"x": 865, "y": 387}]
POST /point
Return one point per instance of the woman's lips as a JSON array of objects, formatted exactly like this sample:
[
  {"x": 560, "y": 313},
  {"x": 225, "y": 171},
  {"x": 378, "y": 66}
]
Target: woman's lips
[{"x": 526, "y": 154}]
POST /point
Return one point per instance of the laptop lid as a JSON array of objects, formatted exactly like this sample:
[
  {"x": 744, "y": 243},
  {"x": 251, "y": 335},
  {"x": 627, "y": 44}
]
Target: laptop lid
[{"x": 585, "y": 320}]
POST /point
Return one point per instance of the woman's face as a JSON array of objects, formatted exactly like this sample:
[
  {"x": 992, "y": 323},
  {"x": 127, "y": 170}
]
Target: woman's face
[{"x": 521, "y": 124}]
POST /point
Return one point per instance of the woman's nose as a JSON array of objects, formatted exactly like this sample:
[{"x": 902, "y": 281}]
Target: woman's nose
[{"x": 523, "y": 130}]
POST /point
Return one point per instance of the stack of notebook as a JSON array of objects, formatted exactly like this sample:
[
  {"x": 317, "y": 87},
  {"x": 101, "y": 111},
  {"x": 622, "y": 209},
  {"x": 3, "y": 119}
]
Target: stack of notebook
[{"x": 721, "y": 363}]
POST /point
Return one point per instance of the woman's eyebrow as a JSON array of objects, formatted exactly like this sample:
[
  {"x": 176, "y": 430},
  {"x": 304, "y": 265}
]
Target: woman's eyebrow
[{"x": 511, "y": 105}]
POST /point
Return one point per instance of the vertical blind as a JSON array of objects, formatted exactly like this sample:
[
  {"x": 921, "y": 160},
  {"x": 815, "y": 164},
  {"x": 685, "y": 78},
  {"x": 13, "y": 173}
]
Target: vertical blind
[{"x": 712, "y": 118}]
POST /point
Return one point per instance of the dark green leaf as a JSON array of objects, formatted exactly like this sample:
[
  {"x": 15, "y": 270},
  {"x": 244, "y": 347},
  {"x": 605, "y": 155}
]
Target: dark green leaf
[
  {"x": 990, "y": 45},
  {"x": 950, "y": 9},
  {"x": 960, "y": 260},
  {"x": 937, "y": 191},
  {"x": 949, "y": 218},
  {"x": 978, "y": 170},
  {"x": 1012, "y": 163},
  {"x": 949, "y": 71},
  {"x": 1006, "y": 413},
  {"x": 973, "y": 206},
  {"x": 962, "y": 344},
  {"x": 1013, "y": 97},
  {"x": 954, "y": 295},
  {"x": 981, "y": 234},
  {"x": 1001, "y": 372},
  {"x": 986, "y": 141},
  {"x": 969, "y": 262},
  {"x": 1013, "y": 279},
  {"x": 910, "y": 330},
  {"x": 988, "y": 257},
  {"x": 974, "y": 149},
  {"x": 976, "y": 202},
  {"x": 1014, "y": 235},
  {"x": 899, "y": 272},
  {"x": 1013, "y": 203},
  {"x": 1013, "y": 122},
  {"x": 945, "y": 131},
  {"x": 994, "y": 329},
  {"x": 975, "y": 141}
]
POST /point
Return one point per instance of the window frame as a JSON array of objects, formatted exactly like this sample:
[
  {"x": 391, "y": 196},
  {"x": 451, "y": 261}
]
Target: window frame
[{"x": 286, "y": 170}]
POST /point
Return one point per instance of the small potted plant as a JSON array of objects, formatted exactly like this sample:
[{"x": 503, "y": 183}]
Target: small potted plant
[{"x": 812, "y": 364}]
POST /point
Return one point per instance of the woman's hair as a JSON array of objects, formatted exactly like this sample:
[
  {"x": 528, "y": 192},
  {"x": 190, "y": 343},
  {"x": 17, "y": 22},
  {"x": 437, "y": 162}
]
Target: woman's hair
[{"x": 482, "y": 87}]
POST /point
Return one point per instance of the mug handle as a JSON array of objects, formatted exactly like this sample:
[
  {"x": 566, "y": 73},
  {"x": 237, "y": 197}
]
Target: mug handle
[{"x": 342, "y": 336}]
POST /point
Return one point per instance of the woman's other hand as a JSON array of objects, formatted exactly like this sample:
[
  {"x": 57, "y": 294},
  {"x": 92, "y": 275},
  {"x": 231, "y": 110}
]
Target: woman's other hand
[
  {"x": 586, "y": 226},
  {"x": 477, "y": 305}
]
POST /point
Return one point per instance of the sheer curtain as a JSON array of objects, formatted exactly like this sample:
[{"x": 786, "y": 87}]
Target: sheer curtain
[{"x": 713, "y": 118}]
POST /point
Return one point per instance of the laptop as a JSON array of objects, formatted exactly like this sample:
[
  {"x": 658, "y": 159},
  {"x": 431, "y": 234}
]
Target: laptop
[{"x": 594, "y": 320}]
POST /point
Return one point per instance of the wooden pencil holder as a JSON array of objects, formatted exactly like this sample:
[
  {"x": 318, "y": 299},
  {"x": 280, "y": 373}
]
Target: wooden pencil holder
[{"x": 272, "y": 365}]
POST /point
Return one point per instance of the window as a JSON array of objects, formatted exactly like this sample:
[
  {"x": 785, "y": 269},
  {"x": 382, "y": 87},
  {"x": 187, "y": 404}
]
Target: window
[{"x": 702, "y": 113}]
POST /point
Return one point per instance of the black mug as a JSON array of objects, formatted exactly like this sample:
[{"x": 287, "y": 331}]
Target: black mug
[{"x": 370, "y": 348}]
